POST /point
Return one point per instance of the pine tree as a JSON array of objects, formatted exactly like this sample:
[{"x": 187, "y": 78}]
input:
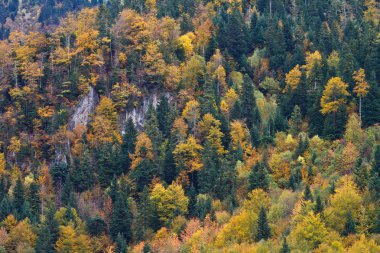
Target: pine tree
[
  {"x": 19, "y": 198},
  {"x": 374, "y": 181},
  {"x": 248, "y": 103},
  {"x": 307, "y": 195},
  {"x": 349, "y": 226},
  {"x": 35, "y": 201},
  {"x": 258, "y": 178},
  {"x": 82, "y": 175},
  {"x": 106, "y": 164},
  {"x": 376, "y": 227},
  {"x": 146, "y": 214},
  {"x": 164, "y": 116},
  {"x": 121, "y": 216},
  {"x": 263, "y": 230},
  {"x": 67, "y": 190},
  {"x": 318, "y": 208},
  {"x": 121, "y": 245},
  {"x": 360, "y": 175},
  {"x": 285, "y": 248},
  {"x": 48, "y": 233},
  {"x": 128, "y": 145},
  {"x": 296, "y": 121},
  {"x": 6, "y": 207}
]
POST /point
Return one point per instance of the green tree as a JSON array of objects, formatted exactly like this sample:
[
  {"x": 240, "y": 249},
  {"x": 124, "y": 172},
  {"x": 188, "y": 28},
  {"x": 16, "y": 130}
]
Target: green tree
[
  {"x": 249, "y": 109},
  {"x": 121, "y": 216},
  {"x": 19, "y": 198},
  {"x": 48, "y": 233},
  {"x": 295, "y": 120},
  {"x": 349, "y": 226},
  {"x": 263, "y": 230},
  {"x": 128, "y": 145},
  {"x": 284, "y": 248},
  {"x": 374, "y": 181},
  {"x": 258, "y": 178},
  {"x": 121, "y": 245},
  {"x": 307, "y": 195}
]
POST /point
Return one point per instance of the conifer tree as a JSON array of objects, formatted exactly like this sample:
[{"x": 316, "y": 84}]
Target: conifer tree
[
  {"x": 19, "y": 198},
  {"x": 263, "y": 230},
  {"x": 248, "y": 103},
  {"x": 374, "y": 181},
  {"x": 318, "y": 208},
  {"x": 120, "y": 222},
  {"x": 307, "y": 195},
  {"x": 48, "y": 233},
  {"x": 284, "y": 248},
  {"x": 35, "y": 201},
  {"x": 128, "y": 145},
  {"x": 6, "y": 207},
  {"x": 258, "y": 178},
  {"x": 296, "y": 120},
  {"x": 121, "y": 245},
  {"x": 349, "y": 226}
]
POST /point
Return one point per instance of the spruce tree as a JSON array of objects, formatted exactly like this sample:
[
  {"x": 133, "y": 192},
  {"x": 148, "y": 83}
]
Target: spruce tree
[
  {"x": 307, "y": 195},
  {"x": 67, "y": 190},
  {"x": 263, "y": 230},
  {"x": 376, "y": 227},
  {"x": 35, "y": 201},
  {"x": 18, "y": 198},
  {"x": 318, "y": 208},
  {"x": 248, "y": 103},
  {"x": 284, "y": 248},
  {"x": 128, "y": 145},
  {"x": 121, "y": 245},
  {"x": 164, "y": 116},
  {"x": 349, "y": 226},
  {"x": 374, "y": 181},
  {"x": 48, "y": 233},
  {"x": 258, "y": 178},
  {"x": 6, "y": 207},
  {"x": 82, "y": 175},
  {"x": 361, "y": 174},
  {"x": 121, "y": 216}
]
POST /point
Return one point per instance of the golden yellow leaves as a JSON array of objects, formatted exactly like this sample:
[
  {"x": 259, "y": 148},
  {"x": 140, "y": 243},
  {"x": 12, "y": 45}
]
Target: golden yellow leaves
[
  {"x": 187, "y": 155},
  {"x": 293, "y": 78},
  {"x": 334, "y": 95},
  {"x": 362, "y": 86},
  {"x": 143, "y": 150}
]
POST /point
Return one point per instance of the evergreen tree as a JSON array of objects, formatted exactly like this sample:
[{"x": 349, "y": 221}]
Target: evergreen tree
[
  {"x": 248, "y": 103},
  {"x": 307, "y": 195},
  {"x": 164, "y": 116},
  {"x": 318, "y": 208},
  {"x": 349, "y": 226},
  {"x": 107, "y": 166},
  {"x": 376, "y": 227},
  {"x": 360, "y": 174},
  {"x": 48, "y": 233},
  {"x": 284, "y": 248},
  {"x": 374, "y": 181},
  {"x": 6, "y": 207},
  {"x": 121, "y": 216},
  {"x": 82, "y": 175},
  {"x": 258, "y": 178},
  {"x": 18, "y": 198},
  {"x": 263, "y": 230},
  {"x": 35, "y": 201},
  {"x": 146, "y": 215},
  {"x": 67, "y": 190},
  {"x": 121, "y": 245},
  {"x": 128, "y": 145},
  {"x": 296, "y": 121}
]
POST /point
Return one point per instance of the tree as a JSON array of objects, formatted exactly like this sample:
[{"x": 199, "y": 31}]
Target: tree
[
  {"x": 293, "y": 78},
  {"x": 248, "y": 103},
  {"x": 334, "y": 95},
  {"x": 19, "y": 198},
  {"x": 307, "y": 195},
  {"x": 263, "y": 230},
  {"x": 169, "y": 202},
  {"x": 349, "y": 226},
  {"x": 121, "y": 217},
  {"x": 258, "y": 178},
  {"x": 310, "y": 232},
  {"x": 70, "y": 241},
  {"x": 361, "y": 88},
  {"x": 128, "y": 145},
  {"x": 374, "y": 181},
  {"x": 48, "y": 233},
  {"x": 154, "y": 65},
  {"x": 295, "y": 120},
  {"x": 284, "y": 248},
  {"x": 121, "y": 245}
]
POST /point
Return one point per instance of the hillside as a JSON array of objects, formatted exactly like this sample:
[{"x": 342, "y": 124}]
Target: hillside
[{"x": 189, "y": 126}]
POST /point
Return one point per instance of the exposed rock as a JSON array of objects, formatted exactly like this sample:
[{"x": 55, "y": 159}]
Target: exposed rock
[
  {"x": 85, "y": 107},
  {"x": 138, "y": 113}
]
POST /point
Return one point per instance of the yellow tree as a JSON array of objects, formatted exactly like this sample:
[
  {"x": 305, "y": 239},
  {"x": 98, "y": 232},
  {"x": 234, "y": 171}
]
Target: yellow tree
[
  {"x": 169, "y": 202},
  {"x": 240, "y": 136},
  {"x": 154, "y": 64},
  {"x": 187, "y": 155},
  {"x": 334, "y": 95},
  {"x": 293, "y": 78},
  {"x": 361, "y": 88},
  {"x": 192, "y": 113},
  {"x": 70, "y": 241},
  {"x": 312, "y": 59},
  {"x": 2, "y": 163}
]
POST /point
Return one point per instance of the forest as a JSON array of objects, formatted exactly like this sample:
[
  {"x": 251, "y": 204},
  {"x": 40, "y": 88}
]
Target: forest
[{"x": 164, "y": 126}]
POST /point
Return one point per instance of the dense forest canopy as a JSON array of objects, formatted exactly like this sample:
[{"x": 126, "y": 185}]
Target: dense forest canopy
[{"x": 189, "y": 126}]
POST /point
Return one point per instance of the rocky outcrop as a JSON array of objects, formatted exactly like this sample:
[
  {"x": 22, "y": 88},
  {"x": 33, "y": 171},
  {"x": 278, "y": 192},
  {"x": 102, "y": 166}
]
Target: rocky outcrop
[
  {"x": 138, "y": 113},
  {"x": 84, "y": 109}
]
